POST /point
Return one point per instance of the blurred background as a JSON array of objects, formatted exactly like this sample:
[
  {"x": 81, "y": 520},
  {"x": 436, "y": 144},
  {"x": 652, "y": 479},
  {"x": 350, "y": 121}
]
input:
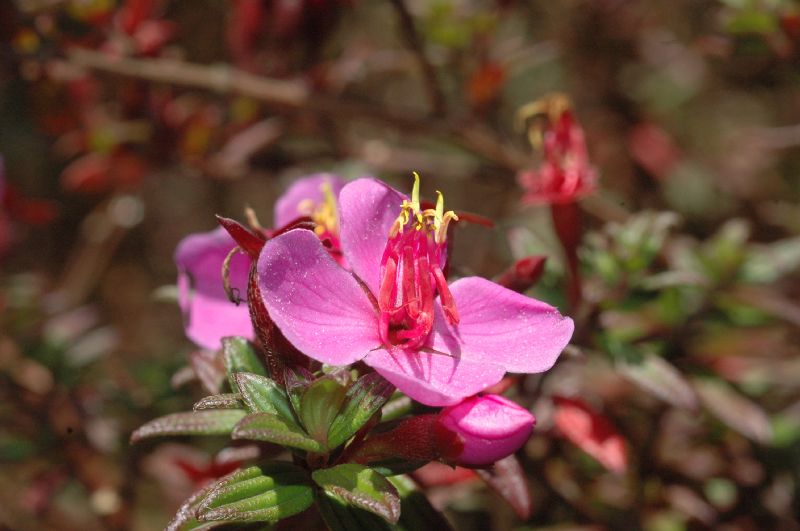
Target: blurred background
[{"x": 126, "y": 125}]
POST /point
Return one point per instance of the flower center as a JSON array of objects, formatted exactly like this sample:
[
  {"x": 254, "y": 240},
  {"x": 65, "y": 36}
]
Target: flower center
[
  {"x": 411, "y": 273},
  {"x": 325, "y": 215}
]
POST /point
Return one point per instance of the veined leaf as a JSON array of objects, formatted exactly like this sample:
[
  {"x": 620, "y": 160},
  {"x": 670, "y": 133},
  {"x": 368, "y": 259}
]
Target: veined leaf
[
  {"x": 274, "y": 429},
  {"x": 263, "y": 395},
  {"x": 266, "y": 493},
  {"x": 364, "y": 398},
  {"x": 240, "y": 356},
  {"x": 319, "y": 406},
  {"x": 210, "y": 422},
  {"x": 361, "y": 487}
]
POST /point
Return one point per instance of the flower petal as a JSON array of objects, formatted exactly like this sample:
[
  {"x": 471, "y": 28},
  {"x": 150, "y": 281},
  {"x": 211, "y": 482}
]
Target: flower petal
[
  {"x": 287, "y": 208},
  {"x": 367, "y": 209},
  {"x": 208, "y": 314},
  {"x": 432, "y": 378},
  {"x": 501, "y": 326},
  {"x": 320, "y": 308}
]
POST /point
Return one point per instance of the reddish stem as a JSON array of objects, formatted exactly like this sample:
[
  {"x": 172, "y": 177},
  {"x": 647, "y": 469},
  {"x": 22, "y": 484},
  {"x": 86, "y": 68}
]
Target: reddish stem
[{"x": 567, "y": 224}]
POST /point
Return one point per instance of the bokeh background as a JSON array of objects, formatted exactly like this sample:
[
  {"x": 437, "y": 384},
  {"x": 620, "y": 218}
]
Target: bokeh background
[{"x": 126, "y": 125}]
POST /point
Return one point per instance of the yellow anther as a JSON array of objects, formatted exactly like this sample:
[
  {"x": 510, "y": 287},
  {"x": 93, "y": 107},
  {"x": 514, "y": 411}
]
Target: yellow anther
[
  {"x": 415, "y": 193},
  {"x": 529, "y": 117},
  {"x": 435, "y": 220},
  {"x": 325, "y": 213}
]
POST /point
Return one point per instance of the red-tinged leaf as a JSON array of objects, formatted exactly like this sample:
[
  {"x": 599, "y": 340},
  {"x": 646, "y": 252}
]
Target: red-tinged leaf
[
  {"x": 660, "y": 378},
  {"x": 734, "y": 409},
  {"x": 275, "y": 429},
  {"x": 364, "y": 399},
  {"x": 209, "y": 422},
  {"x": 209, "y": 369},
  {"x": 437, "y": 474},
  {"x": 591, "y": 432},
  {"x": 184, "y": 519},
  {"x": 250, "y": 242},
  {"x": 507, "y": 478},
  {"x": 523, "y": 274},
  {"x": 89, "y": 174}
]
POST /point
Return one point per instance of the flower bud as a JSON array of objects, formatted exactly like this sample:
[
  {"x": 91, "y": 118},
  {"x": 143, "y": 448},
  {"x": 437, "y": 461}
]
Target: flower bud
[{"x": 488, "y": 428}]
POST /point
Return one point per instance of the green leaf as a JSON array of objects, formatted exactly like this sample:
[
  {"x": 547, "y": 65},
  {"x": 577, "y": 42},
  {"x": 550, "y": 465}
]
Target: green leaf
[
  {"x": 416, "y": 511},
  {"x": 364, "y": 398},
  {"x": 361, "y": 487},
  {"x": 297, "y": 381},
  {"x": 223, "y": 401},
  {"x": 319, "y": 406},
  {"x": 184, "y": 519},
  {"x": 210, "y": 422},
  {"x": 240, "y": 356},
  {"x": 266, "y": 493},
  {"x": 264, "y": 395},
  {"x": 339, "y": 516},
  {"x": 274, "y": 429}
]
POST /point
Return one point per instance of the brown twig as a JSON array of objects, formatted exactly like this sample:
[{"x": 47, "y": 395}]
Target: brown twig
[
  {"x": 414, "y": 42},
  {"x": 296, "y": 96}
]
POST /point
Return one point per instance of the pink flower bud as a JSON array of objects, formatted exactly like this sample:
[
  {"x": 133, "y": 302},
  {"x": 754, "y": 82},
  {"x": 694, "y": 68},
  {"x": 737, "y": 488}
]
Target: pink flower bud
[{"x": 488, "y": 427}]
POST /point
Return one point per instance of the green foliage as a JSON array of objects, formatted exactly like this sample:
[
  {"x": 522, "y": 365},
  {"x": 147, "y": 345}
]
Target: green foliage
[
  {"x": 209, "y": 422},
  {"x": 360, "y": 487},
  {"x": 266, "y": 493}
]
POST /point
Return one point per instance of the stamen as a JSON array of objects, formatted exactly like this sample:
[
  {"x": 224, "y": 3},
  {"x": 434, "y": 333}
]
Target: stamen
[
  {"x": 232, "y": 293},
  {"x": 415, "y": 193},
  {"x": 446, "y": 298}
]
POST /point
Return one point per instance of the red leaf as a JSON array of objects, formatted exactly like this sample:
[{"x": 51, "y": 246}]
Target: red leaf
[
  {"x": 249, "y": 241},
  {"x": 591, "y": 432},
  {"x": 507, "y": 478}
]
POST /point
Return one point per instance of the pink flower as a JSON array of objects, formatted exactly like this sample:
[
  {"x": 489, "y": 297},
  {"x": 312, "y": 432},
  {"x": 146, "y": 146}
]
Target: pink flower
[
  {"x": 565, "y": 174},
  {"x": 436, "y": 342},
  {"x": 208, "y": 313},
  {"x": 488, "y": 429}
]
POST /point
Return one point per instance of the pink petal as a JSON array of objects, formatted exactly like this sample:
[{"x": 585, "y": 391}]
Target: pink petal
[
  {"x": 320, "y": 308},
  {"x": 208, "y": 314},
  {"x": 502, "y": 327},
  {"x": 434, "y": 379},
  {"x": 287, "y": 206},
  {"x": 490, "y": 428},
  {"x": 367, "y": 209}
]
